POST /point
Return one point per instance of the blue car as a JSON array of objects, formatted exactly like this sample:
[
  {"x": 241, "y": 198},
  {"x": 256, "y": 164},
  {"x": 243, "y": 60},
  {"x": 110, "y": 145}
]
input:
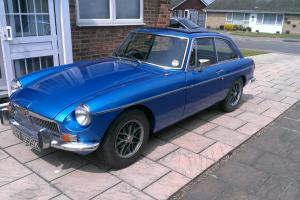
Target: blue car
[{"x": 155, "y": 78}]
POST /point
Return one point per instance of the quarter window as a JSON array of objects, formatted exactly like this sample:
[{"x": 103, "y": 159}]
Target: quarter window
[
  {"x": 224, "y": 51},
  {"x": 109, "y": 12},
  {"x": 203, "y": 49}
]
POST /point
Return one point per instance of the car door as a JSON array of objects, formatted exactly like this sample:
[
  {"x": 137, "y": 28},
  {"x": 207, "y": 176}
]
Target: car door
[
  {"x": 228, "y": 62},
  {"x": 203, "y": 82}
]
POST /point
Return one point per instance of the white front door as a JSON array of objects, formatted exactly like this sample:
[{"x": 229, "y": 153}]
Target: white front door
[{"x": 33, "y": 42}]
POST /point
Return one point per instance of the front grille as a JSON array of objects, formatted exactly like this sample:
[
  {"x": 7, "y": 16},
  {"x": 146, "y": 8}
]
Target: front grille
[
  {"x": 52, "y": 126},
  {"x": 29, "y": 119}
]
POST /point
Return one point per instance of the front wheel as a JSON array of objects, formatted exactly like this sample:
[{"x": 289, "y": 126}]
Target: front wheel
[
  {"x": 234, "y": 96},
  {"x": 125, "y": 139}
]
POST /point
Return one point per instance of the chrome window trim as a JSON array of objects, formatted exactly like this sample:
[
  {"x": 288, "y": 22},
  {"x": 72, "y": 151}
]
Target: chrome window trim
[
  {"x": 166, "y": 93},
  {"x": 174, "y": 36}
]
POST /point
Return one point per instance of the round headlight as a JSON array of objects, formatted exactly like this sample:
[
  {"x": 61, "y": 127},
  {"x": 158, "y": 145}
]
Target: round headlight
[
  {"x": 83, "y": 115},
  {"x": 15, "y": 86}
]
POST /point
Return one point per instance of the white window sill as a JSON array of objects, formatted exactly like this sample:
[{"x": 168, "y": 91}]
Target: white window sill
[{"x": 84, "y": 24}]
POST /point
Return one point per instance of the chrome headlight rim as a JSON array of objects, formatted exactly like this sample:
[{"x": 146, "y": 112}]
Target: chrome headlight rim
[
  {"x": 15, "y": 86},
  {"x": 83, "y": 115}
]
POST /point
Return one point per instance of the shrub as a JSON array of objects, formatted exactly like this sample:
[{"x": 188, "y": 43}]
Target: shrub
[
  {"x": 249, "y": 29},
  {"x": 228, "y": 27},
  {"x": 238, "y": 27},
  {"x": 222, "y": 27}
]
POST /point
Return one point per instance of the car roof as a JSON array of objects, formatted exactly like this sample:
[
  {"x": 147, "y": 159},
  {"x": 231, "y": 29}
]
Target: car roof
[{"x": 188, "y": 33}]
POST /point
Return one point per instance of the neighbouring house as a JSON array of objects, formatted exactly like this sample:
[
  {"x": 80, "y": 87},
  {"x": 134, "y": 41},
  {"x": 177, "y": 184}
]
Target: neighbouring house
[
  {"x": 37, "y": 34},
  {"x": 269, "y": 16},
  {"x": 189, "y": 9}
]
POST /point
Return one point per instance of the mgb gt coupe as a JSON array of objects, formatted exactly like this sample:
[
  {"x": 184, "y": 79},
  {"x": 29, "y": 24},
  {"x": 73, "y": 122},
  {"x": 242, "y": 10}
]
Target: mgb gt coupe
[{"x": 155, "y": 78}]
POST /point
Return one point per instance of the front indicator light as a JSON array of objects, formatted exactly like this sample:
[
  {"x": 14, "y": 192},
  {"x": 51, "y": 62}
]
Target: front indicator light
[{"x": 68, "y": 138}]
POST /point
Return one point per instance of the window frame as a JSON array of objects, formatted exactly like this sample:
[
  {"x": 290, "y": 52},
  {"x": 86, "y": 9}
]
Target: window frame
[
  {"x": 188, "y": 67},
  {"x": 230, "y": 46},
  {"x": 112, "y": 21},
  {"x": 276, "y": 20}
]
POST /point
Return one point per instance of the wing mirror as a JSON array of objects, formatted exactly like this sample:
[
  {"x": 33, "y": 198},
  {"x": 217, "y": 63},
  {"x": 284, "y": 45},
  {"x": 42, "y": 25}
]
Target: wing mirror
[{"x": 202, "y": 63}]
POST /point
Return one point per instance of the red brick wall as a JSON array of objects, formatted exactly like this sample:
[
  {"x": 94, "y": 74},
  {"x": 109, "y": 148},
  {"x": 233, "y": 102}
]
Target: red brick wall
[{"x": 96, "y": 42}]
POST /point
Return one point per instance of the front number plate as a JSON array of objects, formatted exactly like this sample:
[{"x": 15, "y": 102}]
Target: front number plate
[{"x": 30, "y": 141}]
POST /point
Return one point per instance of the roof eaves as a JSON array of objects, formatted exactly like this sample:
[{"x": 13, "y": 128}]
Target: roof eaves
[
  {"x": 185, "y": 1},
  {"x": 178, "y": 4}
]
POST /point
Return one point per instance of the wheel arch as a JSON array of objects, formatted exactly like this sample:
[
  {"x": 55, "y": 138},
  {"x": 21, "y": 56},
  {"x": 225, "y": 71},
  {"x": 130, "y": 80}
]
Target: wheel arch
[{"x": 147, "y": 111}]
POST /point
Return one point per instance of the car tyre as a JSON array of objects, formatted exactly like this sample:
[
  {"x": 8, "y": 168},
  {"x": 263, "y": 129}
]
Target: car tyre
[
  {"x": 121, "y": 147},
  {"x": 234, "y": 96}
]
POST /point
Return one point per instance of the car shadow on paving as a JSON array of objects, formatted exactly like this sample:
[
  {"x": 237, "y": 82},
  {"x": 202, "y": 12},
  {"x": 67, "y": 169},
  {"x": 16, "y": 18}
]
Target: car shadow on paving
[{"x": 267, "y": 167}]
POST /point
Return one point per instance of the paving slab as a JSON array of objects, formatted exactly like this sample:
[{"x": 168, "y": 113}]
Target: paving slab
[
  {"x": 11, "y": 170},
  {"x": 142, "y": 173},
  {"x": 86, "y": 182},
  {"x": 29, "y": 187},
  {"x": 55, "y": 165},
  {"x": 123, "y": 191},
  {"x": 227, "y": 136},
  {"x": 186, "y": 162},
  {"x": 8, "y": 139}
]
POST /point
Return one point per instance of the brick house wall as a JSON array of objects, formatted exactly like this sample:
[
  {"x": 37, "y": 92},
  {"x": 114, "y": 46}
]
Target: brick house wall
[
  {"x": 100, "y": 41},
  {"x": 291, "y": 24},
  {"x": 215, "y": 20}
]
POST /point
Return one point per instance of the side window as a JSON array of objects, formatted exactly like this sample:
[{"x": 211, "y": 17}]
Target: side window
[
  {"x": 203, "y": 48},
  {"x": 224, "y": 50},
  {"x": 175, "y": 24}
]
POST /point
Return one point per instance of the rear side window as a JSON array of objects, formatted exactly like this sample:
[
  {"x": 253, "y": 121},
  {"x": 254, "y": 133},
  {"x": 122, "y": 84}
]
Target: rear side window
[
  {"x": 224, "y": 50},
  {"x": 203, "y": 48},
  {"x": 175, "y": 24}
]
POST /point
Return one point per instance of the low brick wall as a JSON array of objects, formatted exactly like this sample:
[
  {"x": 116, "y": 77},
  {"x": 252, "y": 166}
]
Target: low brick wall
[
  {"x": 215, "y": 20},
  {"x": 98, "y": 41},
  {"x": 291, "y": 24}
]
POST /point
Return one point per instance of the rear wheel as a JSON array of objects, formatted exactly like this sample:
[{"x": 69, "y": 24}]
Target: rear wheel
[
  {"x": 234, "y": 96},
  {"x": 125, "y": 139}
]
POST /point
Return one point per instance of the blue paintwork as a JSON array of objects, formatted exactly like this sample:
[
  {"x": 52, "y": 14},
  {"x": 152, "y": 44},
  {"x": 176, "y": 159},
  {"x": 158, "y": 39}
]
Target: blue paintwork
[{"x": 109, "y": 86}]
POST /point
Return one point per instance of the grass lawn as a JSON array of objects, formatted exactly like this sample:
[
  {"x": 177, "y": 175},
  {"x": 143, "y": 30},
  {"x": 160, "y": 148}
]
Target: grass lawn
[
  {"x": 249, "y": 52},
  {"x": 269, "y": 35}
]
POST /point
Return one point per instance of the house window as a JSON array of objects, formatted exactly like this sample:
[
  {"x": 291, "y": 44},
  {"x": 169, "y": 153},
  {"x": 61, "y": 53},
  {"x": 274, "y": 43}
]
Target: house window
[
  {"x": 259, "y": 18},
  {"x": 238, "y": 18},
  {"x": 229, "y": 17},
  {"x": 269, "y": 19},
  {"x": 109, "y": 12},
  {"x": 279, "y": 19}
]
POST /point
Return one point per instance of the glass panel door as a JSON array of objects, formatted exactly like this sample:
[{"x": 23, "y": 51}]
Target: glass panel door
[
  {"x": 28, "y": 17},
  {"x": 28, "y": 65}
]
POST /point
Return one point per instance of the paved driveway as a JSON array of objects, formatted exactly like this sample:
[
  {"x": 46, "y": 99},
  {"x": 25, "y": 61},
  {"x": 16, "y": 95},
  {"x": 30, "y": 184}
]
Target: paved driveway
[
  {"x": 268, "y": 44},
  {"x": 173, "y": 158}
]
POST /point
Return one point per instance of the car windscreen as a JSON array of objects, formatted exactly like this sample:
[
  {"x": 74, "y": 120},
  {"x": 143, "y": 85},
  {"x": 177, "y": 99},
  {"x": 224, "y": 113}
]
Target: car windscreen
[{"x": 164, "y": 51}]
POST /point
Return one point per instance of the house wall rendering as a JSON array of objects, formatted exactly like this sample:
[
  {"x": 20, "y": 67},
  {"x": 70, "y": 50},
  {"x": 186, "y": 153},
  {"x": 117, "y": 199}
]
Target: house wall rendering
[{"x": 92, "y": 42}]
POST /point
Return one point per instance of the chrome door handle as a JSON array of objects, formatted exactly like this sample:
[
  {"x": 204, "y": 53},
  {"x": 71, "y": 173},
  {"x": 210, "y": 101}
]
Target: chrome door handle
[{"x": 220, "y": 72}]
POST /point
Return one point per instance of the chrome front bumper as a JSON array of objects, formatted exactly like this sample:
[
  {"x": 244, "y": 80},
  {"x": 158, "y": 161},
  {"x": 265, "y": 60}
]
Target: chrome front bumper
[{"x": 45, "y": 139}]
